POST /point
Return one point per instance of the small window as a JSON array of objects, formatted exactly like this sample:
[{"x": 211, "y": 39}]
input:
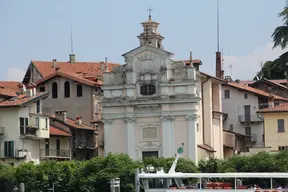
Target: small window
[
  {"x": 147, "y": 89},
  {"x": 46, "y": 123},
  {"x": 96, "y": 90},
  {"x": 101, "y": 90},
  {"x": 66, "y": 89},
  {"x": 227, "y": 94},
  {"x": 79, "y": 90},
  {"x": 9, "y": 149},
  {"x": 38, "y": 106},
  {"x": 245, "y": 95},
  {"x": 22, "y": 125},
  {"x": 37, "y": 122},
  {"x": 280, "y": 123},
  {"x": 42, "y": 89},
  {"x": 54, "y": 90}
]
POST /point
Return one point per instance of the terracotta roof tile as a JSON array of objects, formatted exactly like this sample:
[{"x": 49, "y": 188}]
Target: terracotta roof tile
[
  {"x": 8, "y": 92},
  {"x": 89, "y": 68},
  {"x": 279, "y": 108},
  {"x": 70, "y": 75},
  {"x": 10, "y": 85},
  {"x": 194, "y": 61},
  {"x": 72, "y": 122},
  {"x": 255, "y": 91},
  {"x": 58, "y": 132},
  {"x": 20, "y": 99}
]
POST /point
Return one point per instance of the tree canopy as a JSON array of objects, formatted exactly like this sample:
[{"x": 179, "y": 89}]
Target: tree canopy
[
  {"x": 276, "y": 69},
  {"x": 95, "y": 174}
]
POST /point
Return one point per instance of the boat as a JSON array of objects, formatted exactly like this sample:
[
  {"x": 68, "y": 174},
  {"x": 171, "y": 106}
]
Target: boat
[{"x": 153, "y": 180}]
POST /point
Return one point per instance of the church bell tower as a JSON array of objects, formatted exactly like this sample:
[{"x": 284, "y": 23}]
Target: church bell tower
[{"x": 150, "y": 34}]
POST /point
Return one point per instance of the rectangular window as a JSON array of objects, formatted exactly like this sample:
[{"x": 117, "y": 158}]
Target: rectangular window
[
  {"x": 245, "y": 96},
  {"x": 149, "y": 154},
  {"x": 79, "y": 90},
  {"x": 227, "y": 94},
  {"x": 42, "y": 89},
  {"x": 9, "y": 149},
  {"x": 22, "y": 126},
  {"x": 38, "y": 106},
  {"x": 280, "y": 127},
  {"x": 46, "y": 123},
  {"x": 37, "y": 122}
]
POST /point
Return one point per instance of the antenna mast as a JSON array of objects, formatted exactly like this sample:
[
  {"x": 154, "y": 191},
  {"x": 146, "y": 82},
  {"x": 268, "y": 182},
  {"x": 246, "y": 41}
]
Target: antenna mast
[
  {"x": 71, "y": 31},
  {"x": 218, "y": 44}
]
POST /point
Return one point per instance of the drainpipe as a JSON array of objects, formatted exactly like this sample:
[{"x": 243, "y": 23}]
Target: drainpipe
[{"x": 202, "y": 101}]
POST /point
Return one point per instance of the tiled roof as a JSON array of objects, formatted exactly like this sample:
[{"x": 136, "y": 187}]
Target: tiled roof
[
  {"x": 278, "y": 81},
  {"x": 89, "y": 68},
  {"x": 194, "y": 61},
  {"x": 207, "y": 148},
  {"x": 213, "y": 77},
  {"x": 15, "y": 85},
  {"x": 58, "y": 132},
  {"x": 279, "y": 108},
  {"x": 255, "y": 91},
  {"x": 273, "y": 82},
  {"x": 19, "y": 100},
  {"x": 69, "y": 75},
  {"x": 71, "y": 122},
  {"x": 8, "y": 92}
]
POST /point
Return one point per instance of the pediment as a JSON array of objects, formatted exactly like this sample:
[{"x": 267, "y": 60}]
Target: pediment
[{"x": 148, "y": 53}]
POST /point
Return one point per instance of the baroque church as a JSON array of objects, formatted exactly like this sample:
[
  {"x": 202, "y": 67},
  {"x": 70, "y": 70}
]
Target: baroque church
[{"x": 152, "y": 104}]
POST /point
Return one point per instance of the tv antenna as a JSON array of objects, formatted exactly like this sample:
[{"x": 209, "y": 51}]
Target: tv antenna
[
  {"x": 218, "y": 33},
  {"x": 71, "y": 31}
]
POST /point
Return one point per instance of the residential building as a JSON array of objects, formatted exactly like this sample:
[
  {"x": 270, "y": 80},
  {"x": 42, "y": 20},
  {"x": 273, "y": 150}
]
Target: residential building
[
  {"x": 23, "y": 127},
  {"x": 83, "y": 137},
  {"x": 275, "y": 127},
  {"x": 241, "y": 103},
  {"x": 153, "y": 104}
]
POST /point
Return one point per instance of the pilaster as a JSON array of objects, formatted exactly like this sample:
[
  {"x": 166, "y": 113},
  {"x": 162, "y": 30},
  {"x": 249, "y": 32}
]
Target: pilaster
[
  {"x": 130, "y": 131},
  {"x": 192, "y": 137},
  {"x": 168, "y": 142},
  {"x": 107, "y": 134}
]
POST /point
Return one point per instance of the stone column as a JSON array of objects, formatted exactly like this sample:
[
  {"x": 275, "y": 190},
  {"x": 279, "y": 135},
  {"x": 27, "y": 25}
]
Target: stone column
[
  {"x": 167, "y": 136},
  {"x": 107, "y": 135},
  {"x": 192, "y": 137},
  {"x": 131, "y": 142}
]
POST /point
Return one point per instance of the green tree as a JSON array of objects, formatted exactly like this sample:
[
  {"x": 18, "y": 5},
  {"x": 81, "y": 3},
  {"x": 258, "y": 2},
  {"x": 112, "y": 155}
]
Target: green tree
[{"x": 276, "y": 69}]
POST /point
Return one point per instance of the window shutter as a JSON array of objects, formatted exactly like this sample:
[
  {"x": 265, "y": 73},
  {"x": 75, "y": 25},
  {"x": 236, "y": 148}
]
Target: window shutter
[
  {"x": 11, "y": 146},
  {"x": 6, "y": 148},
  {"x": 280, "y": 125},
  {"x": 26, "y": 122}
]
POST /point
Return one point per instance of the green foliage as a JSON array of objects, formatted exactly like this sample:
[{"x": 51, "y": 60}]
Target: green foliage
[{"x": 95, "y": 174}]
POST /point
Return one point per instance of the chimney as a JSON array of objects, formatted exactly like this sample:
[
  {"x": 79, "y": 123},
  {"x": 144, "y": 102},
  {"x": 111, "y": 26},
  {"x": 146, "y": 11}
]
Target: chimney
[
  {"x": 31, "y": 90},
  {"x": 271, "y": 101},
  {"x": 218, "y": 65},
  {"x": 61, "y": 115},
  {"x": 102, "y": 66},
  {"x": 54, "y": 63},
  {"x": 106, "y": 64},
  {"x": 72, "y": 58},
  {"x": 79, "y": 120}
]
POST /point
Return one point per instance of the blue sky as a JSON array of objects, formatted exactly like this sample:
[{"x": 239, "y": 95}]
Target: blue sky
[{"x": 40, "y": 30}]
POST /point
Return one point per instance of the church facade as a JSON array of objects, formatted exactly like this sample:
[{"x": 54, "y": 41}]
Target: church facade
[{"x": 153, "y": 104}]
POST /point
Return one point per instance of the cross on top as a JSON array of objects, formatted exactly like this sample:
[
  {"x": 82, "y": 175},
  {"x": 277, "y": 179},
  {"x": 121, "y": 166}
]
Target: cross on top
[{"x": 150, "y": 10}]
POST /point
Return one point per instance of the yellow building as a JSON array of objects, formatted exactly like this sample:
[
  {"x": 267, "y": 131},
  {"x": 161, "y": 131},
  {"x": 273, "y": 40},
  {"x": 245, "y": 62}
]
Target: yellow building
[{"x": 276, "y": 127}]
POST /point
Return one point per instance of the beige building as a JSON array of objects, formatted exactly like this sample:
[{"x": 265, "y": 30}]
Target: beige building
[{"x": 153, "y": 104}]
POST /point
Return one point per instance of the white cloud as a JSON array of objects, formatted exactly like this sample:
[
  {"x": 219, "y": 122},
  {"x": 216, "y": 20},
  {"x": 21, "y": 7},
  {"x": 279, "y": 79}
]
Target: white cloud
[
  {"x": 245, "y": 67},
  {"x": 15, "y": 74}
]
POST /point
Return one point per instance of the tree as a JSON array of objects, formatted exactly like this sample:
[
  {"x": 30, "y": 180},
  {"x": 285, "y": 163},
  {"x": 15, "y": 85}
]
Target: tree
[{"x": 276, "y": 69}]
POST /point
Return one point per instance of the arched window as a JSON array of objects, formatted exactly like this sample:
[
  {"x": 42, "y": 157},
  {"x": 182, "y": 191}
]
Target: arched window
[
  {"x": 66, "y": 89},
  {"x": 147, "y": 89},
  {"x": 54, "y": 90}
]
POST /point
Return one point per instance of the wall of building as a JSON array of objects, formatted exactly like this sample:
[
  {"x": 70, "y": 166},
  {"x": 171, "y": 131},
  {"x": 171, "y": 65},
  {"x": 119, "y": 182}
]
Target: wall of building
[
  {"x": 75, "y": 106},
  {"x": 234, "y": 106},
  {"x": 273, "y": 138}
]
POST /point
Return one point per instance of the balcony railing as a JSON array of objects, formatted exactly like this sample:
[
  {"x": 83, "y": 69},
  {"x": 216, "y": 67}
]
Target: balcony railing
[
  {"x": 53, "y": 153},
  {"x": 84, "y": 144},
  {"x": 28, "y": 131},
  {"x": 251, "y": 118},
  {"x": 17, "y": 153}
]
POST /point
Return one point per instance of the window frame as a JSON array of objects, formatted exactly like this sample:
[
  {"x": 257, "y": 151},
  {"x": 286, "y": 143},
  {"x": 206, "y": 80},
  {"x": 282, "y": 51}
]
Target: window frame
[
  {"x": 147, "y": 89},
  {"x": 67, "y": 89},
  {"x": 54, "y": 90},
  {"x": 279, "y": 122},
  {"x": 79, "y": 90},
  {"x": 226, "y": 96}
]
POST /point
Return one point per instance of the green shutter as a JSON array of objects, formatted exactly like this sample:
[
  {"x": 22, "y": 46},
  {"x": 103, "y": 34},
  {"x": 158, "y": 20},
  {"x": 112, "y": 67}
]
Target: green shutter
[
  {"x": 11, "y": 143},
  {"x": 26, "y": 122},
  {"x": 6, "y": 148}
]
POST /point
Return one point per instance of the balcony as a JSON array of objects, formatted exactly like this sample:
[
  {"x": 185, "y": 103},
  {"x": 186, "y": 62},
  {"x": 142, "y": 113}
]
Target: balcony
[
  {"x": 37, "y": 128},
  {"x": 28, "y": 132},
  {"x": 229, "y": 139},
  {"x": 55, "y": 154},
  {"x": 249, "y": 119},
  {"x": 84, "y": 144}
]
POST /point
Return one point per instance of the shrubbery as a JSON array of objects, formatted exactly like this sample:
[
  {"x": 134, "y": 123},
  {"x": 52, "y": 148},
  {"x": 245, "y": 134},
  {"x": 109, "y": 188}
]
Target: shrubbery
[{"x": 95, "y": 174}]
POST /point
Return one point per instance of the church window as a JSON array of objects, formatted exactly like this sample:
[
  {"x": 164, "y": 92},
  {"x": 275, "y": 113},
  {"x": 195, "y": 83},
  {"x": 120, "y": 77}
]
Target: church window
[{"x": 147, "y": 89}]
